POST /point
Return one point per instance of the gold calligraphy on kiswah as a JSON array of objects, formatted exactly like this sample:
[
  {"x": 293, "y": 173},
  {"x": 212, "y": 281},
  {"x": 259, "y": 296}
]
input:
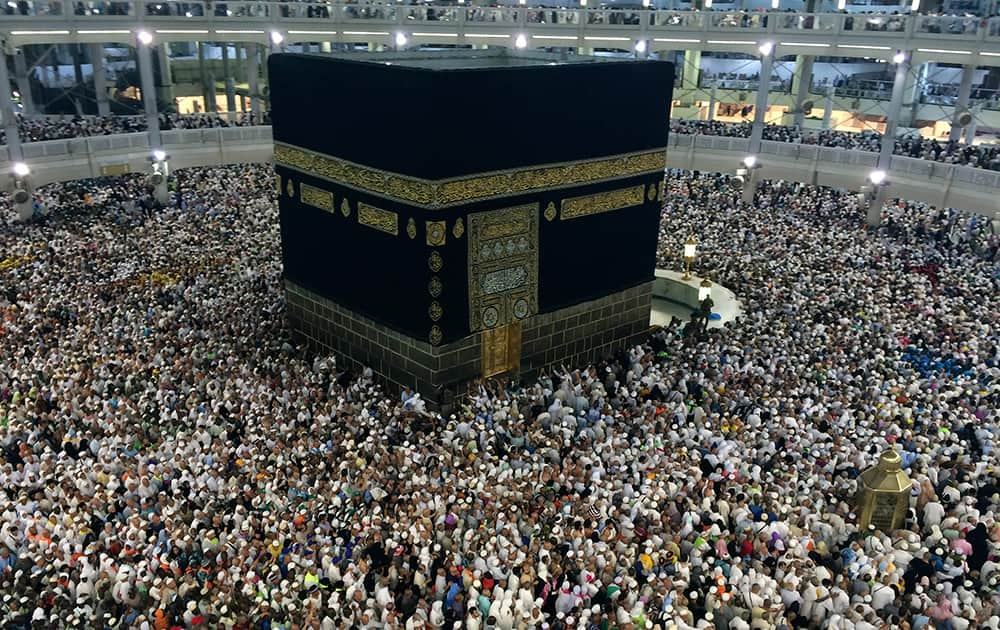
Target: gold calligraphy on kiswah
[
  {"x": 480, "y": 186},
  {"x": 377, "y": 218},
  {"x": 576, "y": 207}
]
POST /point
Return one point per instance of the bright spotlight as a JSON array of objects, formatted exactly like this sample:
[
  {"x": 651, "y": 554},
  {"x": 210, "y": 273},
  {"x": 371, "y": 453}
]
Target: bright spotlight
[
  {"x": 521, "y": 42},
  {"x": 400, "y": 38},
  {"x": 277, "y": 38},
  {"x": 21, "y": 169},
  {"x": 877, "y": 177},
  {"x": 640, "y": 46},
  {"x": 899, "y": 57},
  {"x": 766, "y": 48},
  {"x": 750, "y": 161},
  {"x": 145, "y": 38},
  {"x": 159, "y": 155}
]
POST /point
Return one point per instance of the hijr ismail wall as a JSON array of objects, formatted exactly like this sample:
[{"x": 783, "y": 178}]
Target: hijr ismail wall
[{"x": 446, "y": 215}]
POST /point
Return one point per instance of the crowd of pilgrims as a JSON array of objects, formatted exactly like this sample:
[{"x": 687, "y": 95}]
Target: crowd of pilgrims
[
  {"x": 37, "y": 129},
  {"x": 171, "y": 458},
  {"x": 979, "y": 155}
]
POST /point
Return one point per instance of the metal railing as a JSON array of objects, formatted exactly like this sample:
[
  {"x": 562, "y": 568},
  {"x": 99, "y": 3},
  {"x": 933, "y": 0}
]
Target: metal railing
[
  {"x": 38, "y": 12},
  {"x": 920, "y": 179},
  {"x": 132, "y": 142},
  {"x": 900, "y": 166}
]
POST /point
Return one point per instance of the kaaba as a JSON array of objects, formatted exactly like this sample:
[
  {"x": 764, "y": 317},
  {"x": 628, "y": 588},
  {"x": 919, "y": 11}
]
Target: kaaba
[{"x": 461, "y": 214}]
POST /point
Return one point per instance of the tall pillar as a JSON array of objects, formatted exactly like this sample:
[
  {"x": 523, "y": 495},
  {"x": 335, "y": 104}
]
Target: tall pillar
[
  {"x": 912, "y": 83},
  {"x": 831, "y": 92},
  {"x": 692, "y": 68},
  {"x": 970, "y": 129},
  {"x": 962, "y": 102},
  {"x": 23, "y": 83},
  {"x": 96, "y": 54},
  {"x": 149, "y": 93},
  {"x": 760, "y": 106},
  {"x": 76, "y": 52},
  {"x": 207, "y": 78},
  {"x": 230, "y": 82},
  {"x": 712, "y": 99},
  {"x": 201, "y": 73},
  {"x": 24, "y": 209},
  {"x": 253, "y": 83},
  {"x": 899, "y": 84},
  {"x": 165, "y": 87},
  {"x": 801, "y": 82}
]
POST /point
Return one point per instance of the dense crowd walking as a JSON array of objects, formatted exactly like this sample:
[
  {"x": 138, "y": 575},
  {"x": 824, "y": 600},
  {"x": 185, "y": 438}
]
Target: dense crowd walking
[
  {"x": 171, "y": 458},
  {"x": 37, "y": 129},
  {"x": 979, "y": 155}
]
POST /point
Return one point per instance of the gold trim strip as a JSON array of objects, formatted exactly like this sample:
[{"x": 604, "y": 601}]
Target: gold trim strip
[
  {"x": 316, "y": 197},
  {"x": 382, "y": 220},
  {"x": 576, "y": 207},
  {"x": 449, "y": 192}
]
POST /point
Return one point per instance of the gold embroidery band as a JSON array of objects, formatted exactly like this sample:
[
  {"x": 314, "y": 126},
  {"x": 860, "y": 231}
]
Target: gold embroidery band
[
  {"x": 576, "y": 207},
  {"x": 450, "y": 192},
  {"x": 316, "y": 197},
  {"x": 378, "y": 218}
]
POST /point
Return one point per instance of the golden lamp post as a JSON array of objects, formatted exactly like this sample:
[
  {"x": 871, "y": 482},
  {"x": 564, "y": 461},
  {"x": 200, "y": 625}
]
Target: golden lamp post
[
  {"x": 705, "y": 289},
  {"x": 690, "y": 247},
  {"x": 884, "y": 495}
]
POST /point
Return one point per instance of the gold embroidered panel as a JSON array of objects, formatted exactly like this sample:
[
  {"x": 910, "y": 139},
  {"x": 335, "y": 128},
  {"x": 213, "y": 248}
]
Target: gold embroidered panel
[
  {"x": 454, "y": 191},
  {"x": 316, "y": 197},
  {"x": 502, "y": 266},
  {"x": 437, "y": 233},
  {"x": 378, "y": 218},
  {"x": 576, "y": 207}
]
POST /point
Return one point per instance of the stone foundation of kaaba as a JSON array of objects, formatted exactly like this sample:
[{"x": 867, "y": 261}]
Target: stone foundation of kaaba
[
  {"x": 575, "y": 335},
  {"x": 516, "y": 235}
]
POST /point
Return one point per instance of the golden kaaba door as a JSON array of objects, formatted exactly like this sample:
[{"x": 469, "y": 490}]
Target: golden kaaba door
[{"x": 501, "y": 349}]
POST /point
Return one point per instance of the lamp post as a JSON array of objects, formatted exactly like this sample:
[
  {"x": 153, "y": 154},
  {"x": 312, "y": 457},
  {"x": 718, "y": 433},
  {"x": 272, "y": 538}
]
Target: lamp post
[
  {"x": 690, "y": 248},
  {"x": 705, "y": 302},
  {"x": 705, "y": 289},
  {"x": 158, "y": 177},
  {"x": 873, "y": 194},
  {"x": 748, "y": 171},
  {"x": 22, "y": 191}
]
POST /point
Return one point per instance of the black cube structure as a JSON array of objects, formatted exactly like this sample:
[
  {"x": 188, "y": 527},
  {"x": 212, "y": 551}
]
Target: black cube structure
[{"x": 452, "y": 215}]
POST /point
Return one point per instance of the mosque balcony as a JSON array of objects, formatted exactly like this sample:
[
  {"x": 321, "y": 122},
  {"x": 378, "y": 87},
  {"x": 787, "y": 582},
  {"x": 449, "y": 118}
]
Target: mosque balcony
[
  {"x": 965, "y": 40},
  {"x": 948, "y": 185}
]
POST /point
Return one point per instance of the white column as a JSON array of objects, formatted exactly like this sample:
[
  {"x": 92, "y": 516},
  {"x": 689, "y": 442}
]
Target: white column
[
  {"x": 14, "y": 151},
  {"x": 962, "y": 102},
  {"x": 96, "y": 53},
  {"x": 23, "y": 84},
  {"x": 970, "y": 130},
  {"x": 692, "y": 68},
  {"x": 831, "y": 92},
  {"x": 801, "y": 82},
  {"x": 148, "y": 93},
  {"x": 899, "y": 84},
  {"x": 228, "y": 77},
  {"x": 253, "y": 80},
  {"x": 760, "y": 106},
  {"x": 712, "y": 98},
  {"x": 911, "y": 94},
  {"x": 165, "y": 89}
]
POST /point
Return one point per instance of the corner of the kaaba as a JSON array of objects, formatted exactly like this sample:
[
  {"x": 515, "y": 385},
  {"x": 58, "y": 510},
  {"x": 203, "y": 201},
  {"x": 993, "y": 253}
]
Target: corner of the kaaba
[{"x": 437, "y": 254}]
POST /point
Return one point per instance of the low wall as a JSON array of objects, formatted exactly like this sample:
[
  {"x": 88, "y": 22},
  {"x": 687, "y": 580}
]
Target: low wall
[{"x": 940, "y": 184}]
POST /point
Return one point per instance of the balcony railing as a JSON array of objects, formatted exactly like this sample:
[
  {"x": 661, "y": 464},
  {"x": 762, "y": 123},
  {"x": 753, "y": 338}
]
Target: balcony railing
[
  {"x": 37, "y": 13},
  {"x": 937, "y": 183}
]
